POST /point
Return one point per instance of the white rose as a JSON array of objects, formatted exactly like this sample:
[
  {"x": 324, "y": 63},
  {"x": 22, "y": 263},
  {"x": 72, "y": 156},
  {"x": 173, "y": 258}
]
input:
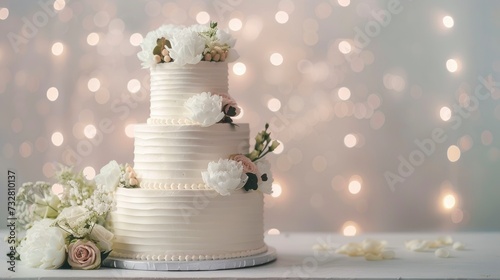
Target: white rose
[
  {"x": 224, "y": 176},
  {"x": 205, "y": 108},
  {"x": 264, "y": 167},
  {"x": 44, "y": 246},
  {"x": 187, "y": 47},
  {"x": 74, "y": 220},
  {"x": 108, "y": 177},
  {"x": 102, "y": 237}
]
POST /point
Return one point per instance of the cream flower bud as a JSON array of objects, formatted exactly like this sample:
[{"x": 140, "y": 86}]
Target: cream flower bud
[
  {"x": 133, "y": 181},
  {"x": 274, "y": 145},
  {"x": 157, "y": 58},
  {"x": 164, "y": 52},
  {"x": 167, "y": 58},
  {"x": 253, "y": 155},
  {"x": 258, "y": 138}
]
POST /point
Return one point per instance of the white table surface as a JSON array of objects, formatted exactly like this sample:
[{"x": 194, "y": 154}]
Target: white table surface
[{"x": 297, "y": 259}]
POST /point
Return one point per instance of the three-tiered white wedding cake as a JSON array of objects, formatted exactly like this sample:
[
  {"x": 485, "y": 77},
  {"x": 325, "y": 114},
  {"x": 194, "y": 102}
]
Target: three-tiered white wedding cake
[{"x": 200, "y": 189}]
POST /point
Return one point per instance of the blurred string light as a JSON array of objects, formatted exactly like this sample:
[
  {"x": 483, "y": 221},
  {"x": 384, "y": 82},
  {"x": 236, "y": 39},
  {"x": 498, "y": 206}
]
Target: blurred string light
[
  {"x": 273, "y": 231},
  {"x": 344, "y": 3},
  {"x": 354, "y": 186},
  {"x": 94, "y": 84},
  {"x": 449, "y": 201},
  {"x": 129, "y": 130},
  {"x": 57, "y": 48},
  {"x": 239, "y": 68},
  {"x": 59, "y": 5},
  {"x": 52, "y": 94},
  {"x": 344, "y": 93},
  {"x": 274, "y": 104},
  {"x": 89, "y": 172},
  {"x": 276, "y": 187},
  {"x": 281, "y": 17},
  {"x": 235, "y": 24},
  {"x": 93, "y": 39},
  {"x": 345, "y": 47},
  {"x": 276, "y": 59},
  {"x": 90, "y": 131},
  {"x": 349, "y": 228},
  {"x": 136, "y": 39},
  {"x": 350, "y": 140},
  {"x": 453, "y": 153},
  {"x": 452, "y": 65},
  {"x": 202, "y": 17},
  {"x": 57, "y": 138},
  {"x": 448, "y": 22},
  {"x": 57, "y": 189},
  {"x": 133, "y": 85},
  {"x": 445, "y": 113},
  {"x": 4, "y": 13}
]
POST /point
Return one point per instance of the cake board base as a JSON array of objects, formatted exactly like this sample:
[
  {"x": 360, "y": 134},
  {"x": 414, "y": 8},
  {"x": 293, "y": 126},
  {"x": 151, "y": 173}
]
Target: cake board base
[{"x": 263, "y": 258}]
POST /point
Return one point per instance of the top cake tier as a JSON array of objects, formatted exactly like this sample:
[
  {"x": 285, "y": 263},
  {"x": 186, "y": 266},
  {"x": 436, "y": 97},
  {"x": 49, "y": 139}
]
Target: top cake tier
[{"x": 172, "y": 85}]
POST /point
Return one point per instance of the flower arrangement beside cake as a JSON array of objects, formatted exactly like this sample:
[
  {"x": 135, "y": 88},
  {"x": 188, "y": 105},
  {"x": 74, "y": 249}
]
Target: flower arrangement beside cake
[{"x": 195, "y": 191}]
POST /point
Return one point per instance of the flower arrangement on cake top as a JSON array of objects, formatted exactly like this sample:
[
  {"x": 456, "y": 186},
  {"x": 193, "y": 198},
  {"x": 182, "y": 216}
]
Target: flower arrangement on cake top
[
  {"x": 187, "y": 45},
  {"x": 67, "y": 226},
  {"x": 248, "y": 171}
]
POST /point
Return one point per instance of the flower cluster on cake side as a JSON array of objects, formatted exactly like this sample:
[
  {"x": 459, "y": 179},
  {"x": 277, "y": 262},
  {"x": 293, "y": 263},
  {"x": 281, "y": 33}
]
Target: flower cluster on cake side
[
  {"x": 65, "y": 222},
  {"x": 248, "y": 171}
]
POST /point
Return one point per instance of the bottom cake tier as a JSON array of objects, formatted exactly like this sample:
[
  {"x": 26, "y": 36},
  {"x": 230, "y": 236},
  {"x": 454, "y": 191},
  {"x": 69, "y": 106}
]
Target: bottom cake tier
[{"x": 187, "y": 225}]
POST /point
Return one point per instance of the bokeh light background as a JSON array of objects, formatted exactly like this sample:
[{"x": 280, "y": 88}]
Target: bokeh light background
[{"x": 349, "y": 87}]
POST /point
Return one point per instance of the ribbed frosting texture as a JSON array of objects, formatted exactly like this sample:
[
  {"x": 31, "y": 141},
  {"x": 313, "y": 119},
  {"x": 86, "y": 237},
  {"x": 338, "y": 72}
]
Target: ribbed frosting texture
[
  {"x": 176, "y": 155},
  {"x": 172, "y": 85},
  {"x": 180, "y": 225}
]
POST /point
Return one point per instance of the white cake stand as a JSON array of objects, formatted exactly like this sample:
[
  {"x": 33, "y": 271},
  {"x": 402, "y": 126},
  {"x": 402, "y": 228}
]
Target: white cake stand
[{"x": 263, "y": 258}]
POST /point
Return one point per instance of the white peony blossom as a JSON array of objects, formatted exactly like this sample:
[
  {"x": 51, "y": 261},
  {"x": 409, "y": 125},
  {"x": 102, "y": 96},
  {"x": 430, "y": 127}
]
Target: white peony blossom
[
  {"x": 224, "y": 176},
  {"x": 44, "y": 246},
  {"x": 109, "y": 177},
  {"x": 206, "y": 109},
  {"x": 226, "y": 39},
  {"x": 264, "y": 167},
  {"x": 187, "y": 47},
  {"x": 102, "y": 237}
]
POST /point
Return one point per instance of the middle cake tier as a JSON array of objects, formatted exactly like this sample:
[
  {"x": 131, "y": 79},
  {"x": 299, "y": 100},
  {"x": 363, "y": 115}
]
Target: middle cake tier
[{"x": 173, "y": 156}]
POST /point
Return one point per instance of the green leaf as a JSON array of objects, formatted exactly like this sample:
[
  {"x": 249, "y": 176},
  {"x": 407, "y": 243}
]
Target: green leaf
[
  {"x": 264, "y": 177},
  {"x": 251, "y": 183},
  {"x": 231, "y": 111},
  {"x": 104, "y": 255},
  {"x": 157, "y": 50}
]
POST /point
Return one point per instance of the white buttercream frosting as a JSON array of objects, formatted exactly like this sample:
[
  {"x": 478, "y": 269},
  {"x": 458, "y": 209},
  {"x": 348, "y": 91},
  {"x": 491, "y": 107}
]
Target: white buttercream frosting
[
  {"x": 173, "y": 154},
  {"x": 185, "y": 225},
  {"x": 172, "y": 85}
]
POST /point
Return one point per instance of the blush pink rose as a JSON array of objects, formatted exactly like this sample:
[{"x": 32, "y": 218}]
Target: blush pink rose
[
  {"x": 84, "y": 254},
  {"x": 227, "y": 102},
  {"x": 248, "y": 165}
]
